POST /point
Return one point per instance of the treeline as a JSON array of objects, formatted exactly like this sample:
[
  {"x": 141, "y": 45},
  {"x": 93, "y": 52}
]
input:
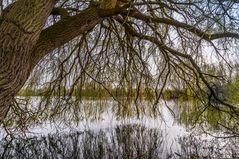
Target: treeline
[
  {"x": 91, "y": 90},
  {"x": 96, "y": 91}
]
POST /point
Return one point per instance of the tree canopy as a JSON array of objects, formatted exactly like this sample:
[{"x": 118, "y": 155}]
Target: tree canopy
[{"x": 61, "y": 46}]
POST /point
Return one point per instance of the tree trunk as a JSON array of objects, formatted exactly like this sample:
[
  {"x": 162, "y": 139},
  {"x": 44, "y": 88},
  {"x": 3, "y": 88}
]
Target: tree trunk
[
  {"x": 20, "y": 28},
  {"x": 23, "y": 42}
]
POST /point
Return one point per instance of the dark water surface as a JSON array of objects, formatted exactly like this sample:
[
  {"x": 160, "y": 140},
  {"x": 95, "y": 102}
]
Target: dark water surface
[{"x": 102, "y": 129}]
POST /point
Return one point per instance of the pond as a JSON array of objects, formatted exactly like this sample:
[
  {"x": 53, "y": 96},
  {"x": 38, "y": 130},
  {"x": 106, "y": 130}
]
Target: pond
[{"x": 104, "y": 129}]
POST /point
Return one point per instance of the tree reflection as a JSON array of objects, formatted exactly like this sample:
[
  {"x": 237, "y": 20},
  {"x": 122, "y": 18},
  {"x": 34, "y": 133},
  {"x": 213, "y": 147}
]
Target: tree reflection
[
  {"x": 125, "y": 141},
  {"x": 128, "y": 141},
  {"x": 206, "y": 146}
]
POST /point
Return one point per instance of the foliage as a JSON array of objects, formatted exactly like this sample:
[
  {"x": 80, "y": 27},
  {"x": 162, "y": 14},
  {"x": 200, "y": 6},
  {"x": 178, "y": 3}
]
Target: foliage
[{"x": 233, "y": 91}]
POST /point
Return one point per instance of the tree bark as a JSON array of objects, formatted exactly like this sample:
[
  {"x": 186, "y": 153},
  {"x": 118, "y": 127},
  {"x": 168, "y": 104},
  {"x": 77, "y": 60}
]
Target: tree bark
[{"x": 19, "y": 31}]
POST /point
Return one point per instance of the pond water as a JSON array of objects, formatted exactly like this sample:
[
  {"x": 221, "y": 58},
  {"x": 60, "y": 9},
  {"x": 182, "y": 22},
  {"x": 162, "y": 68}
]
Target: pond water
[{"x": 104, "y": 129}]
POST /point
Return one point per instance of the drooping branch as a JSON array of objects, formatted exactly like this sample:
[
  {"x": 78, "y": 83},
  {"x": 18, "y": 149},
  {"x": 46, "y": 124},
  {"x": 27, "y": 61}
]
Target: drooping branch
[{"x": 174, "y": 52}]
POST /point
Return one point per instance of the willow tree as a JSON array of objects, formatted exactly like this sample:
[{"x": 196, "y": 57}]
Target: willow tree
[{"x": 139, "y": 43}]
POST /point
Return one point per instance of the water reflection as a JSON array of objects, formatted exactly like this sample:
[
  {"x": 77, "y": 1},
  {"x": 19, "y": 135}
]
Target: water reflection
[
  {"x": 125, "y": 141},
  {"x": 206, "y": 146},
  {"x": 105, "y": 129}
]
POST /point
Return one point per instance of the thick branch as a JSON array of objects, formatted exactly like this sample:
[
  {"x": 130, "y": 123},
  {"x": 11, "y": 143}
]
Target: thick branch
[
  {"x": 178, "y": 24},
  {"x": 64, "y": 31},
  {"x": 67, "y": 29},
  {"x": 60, "y": 11}
]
